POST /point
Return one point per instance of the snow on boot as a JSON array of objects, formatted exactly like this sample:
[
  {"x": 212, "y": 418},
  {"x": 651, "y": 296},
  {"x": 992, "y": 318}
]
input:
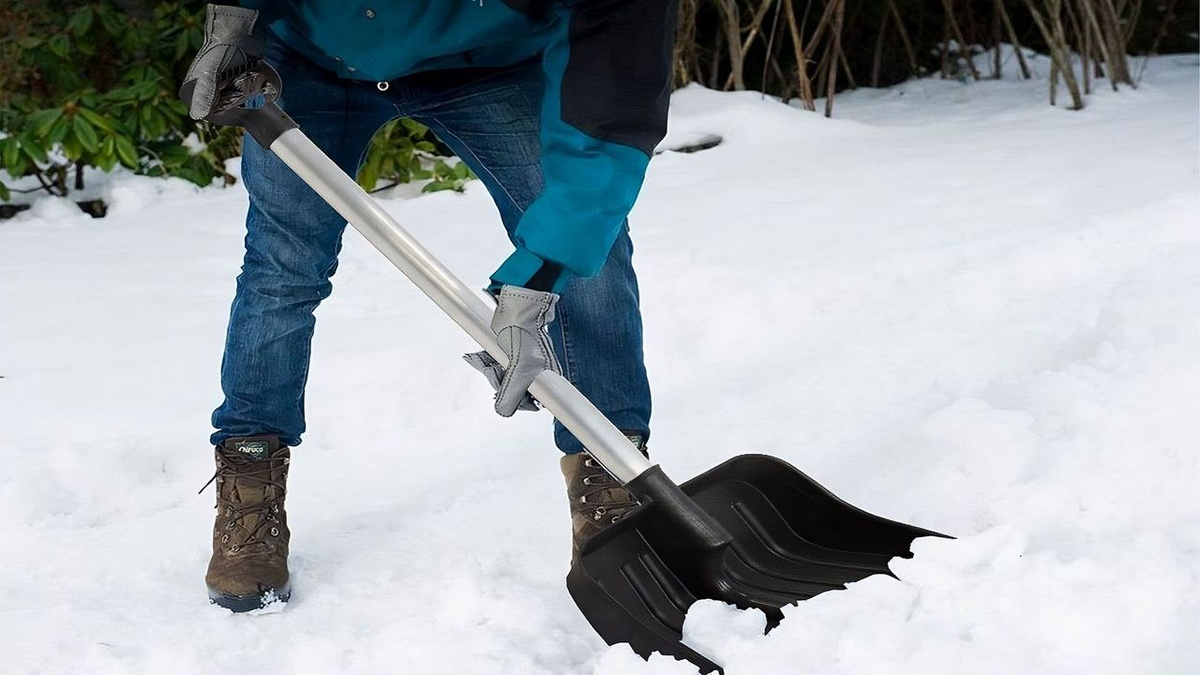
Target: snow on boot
[
  {"x": 248, "y": 569},
  {"x": 597, "y": 500}
]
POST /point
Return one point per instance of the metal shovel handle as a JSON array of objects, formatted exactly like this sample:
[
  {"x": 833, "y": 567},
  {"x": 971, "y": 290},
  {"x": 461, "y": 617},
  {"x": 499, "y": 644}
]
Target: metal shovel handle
[{"x": 278, "y": 134}]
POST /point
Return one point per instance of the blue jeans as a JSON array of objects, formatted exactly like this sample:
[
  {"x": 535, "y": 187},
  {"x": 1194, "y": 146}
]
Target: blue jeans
[{"x": 490, "y": 119}]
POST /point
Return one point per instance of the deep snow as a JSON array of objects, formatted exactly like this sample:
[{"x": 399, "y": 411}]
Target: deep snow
[{"x": 952, "y": 304}]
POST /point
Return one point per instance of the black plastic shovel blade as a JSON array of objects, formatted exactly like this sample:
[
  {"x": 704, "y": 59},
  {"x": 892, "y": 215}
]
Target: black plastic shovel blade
[{"x": 791, "y": 539}]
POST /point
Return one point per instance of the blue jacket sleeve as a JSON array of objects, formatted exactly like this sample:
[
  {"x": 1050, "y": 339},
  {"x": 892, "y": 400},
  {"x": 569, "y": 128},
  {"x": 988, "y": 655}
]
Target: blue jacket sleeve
[{"x": 608, "y": 81}]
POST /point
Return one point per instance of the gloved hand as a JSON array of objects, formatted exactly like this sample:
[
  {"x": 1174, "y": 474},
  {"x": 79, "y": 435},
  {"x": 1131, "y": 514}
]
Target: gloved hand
[
  {"x": 229, "y": 50},
  {"x": 520, "y": 323}
]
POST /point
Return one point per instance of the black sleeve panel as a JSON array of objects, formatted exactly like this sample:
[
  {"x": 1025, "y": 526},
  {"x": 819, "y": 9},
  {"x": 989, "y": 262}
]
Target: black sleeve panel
[{"x": 618, "y": 77}]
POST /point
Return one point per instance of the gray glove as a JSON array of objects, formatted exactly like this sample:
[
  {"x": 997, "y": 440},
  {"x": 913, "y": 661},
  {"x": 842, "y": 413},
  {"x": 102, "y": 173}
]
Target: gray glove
[
  {"x": 229, "y": 50},
  {"x": 520, "y": 323}
]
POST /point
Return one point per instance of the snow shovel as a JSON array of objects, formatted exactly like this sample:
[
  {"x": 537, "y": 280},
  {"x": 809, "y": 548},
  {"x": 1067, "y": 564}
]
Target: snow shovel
[{"x": 754, "y": 531}]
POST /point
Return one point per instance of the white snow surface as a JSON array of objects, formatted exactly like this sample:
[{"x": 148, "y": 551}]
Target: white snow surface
[{"x": 952, "y": 304}]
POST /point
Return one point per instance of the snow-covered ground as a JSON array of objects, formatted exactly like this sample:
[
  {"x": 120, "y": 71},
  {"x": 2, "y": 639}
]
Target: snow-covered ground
[{"x": 952, "y": 304}]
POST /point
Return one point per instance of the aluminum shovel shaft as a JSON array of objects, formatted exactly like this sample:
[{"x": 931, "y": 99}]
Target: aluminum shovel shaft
[{"x": 603, "y": 440}]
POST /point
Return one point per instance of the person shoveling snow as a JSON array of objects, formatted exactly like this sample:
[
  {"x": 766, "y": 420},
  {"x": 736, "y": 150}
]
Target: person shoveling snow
[{"x": 557, "y": 108}]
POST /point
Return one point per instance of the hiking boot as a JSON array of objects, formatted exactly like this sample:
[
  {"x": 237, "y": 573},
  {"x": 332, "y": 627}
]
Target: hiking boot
[
  {"x": 248, "y": 569},
  {"x": 597, "y": 500}
]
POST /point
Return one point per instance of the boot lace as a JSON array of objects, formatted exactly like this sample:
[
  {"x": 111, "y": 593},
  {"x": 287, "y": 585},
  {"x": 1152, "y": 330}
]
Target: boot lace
[
  {"x": 249, "y": 474},
  {"x": 600, "y": 482}
]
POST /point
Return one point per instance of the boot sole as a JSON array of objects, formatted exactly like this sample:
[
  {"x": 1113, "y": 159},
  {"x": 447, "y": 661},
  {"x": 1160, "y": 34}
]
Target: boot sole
[{"x": 249, "y": 603}]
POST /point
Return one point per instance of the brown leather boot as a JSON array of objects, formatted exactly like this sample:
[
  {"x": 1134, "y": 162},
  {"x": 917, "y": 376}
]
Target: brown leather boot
[
  {"x": 248, "y": 569},
  {"x": 597, "y": 500}
]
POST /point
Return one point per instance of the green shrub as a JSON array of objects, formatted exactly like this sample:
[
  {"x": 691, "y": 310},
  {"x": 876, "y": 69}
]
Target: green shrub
[
  {"x": 403, "y": 151},
  {"x": 98, "y": 90}
]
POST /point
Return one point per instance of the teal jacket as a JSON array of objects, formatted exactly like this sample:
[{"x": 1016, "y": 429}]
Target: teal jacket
[{"x": 607, "y": 67}]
